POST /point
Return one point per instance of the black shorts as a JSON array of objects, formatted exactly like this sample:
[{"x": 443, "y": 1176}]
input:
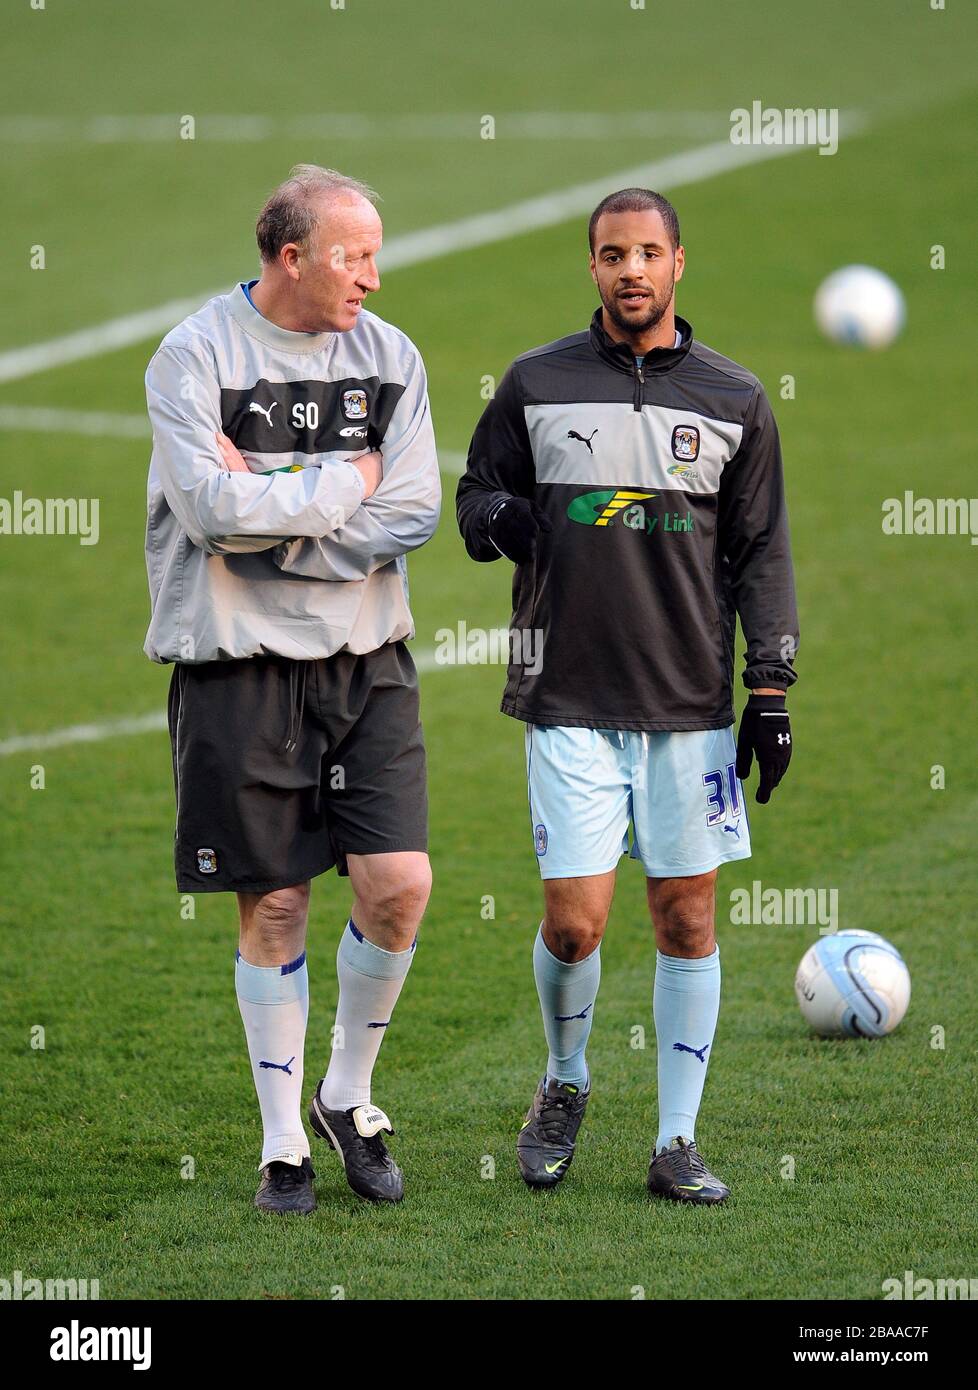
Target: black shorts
[{"x": 282, "y": 767}]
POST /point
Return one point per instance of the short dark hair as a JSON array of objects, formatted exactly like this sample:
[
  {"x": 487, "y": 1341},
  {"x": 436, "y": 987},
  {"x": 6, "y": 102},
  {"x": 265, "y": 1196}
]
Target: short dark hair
[{"x": 636, "y": 200}]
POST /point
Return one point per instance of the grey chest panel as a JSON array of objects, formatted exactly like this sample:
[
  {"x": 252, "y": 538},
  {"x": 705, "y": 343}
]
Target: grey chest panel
[{"x": 605, "y": 442}]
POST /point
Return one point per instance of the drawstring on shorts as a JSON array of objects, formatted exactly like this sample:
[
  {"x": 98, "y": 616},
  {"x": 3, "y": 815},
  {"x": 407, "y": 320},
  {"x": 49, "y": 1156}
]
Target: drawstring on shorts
[{"x": 297, "y": 702}]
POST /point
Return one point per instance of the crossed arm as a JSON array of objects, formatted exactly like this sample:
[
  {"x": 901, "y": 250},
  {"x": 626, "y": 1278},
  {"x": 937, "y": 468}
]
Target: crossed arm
[
  {"x": 305, "y": 517},
  {"x": 399, "y": 517},
  {"x": 370, "y": 466}
]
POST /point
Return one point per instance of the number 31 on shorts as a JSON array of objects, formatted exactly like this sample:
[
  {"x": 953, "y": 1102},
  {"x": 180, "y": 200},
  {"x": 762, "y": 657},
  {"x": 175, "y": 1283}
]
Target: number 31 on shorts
[{"x": 722, "y": 794}]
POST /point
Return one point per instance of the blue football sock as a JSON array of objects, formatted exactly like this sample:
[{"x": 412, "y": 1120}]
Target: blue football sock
[
  {"x": 685, "y": 1004},
  {"x": 567, "y": 994}
]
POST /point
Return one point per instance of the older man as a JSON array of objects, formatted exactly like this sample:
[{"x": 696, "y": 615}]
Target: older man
[{"x": 293, "y": 468}]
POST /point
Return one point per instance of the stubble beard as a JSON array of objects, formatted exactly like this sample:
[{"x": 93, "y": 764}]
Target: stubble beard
[{"x": 632, "y": 326}]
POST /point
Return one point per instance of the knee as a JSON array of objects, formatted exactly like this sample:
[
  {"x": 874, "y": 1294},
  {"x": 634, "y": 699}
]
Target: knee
[
  {"x": 572, "y": 936},
  {"x": 280, "y": 914},
  {"x": 396, "y": 902},
  {"x": 684, "y": 923}
]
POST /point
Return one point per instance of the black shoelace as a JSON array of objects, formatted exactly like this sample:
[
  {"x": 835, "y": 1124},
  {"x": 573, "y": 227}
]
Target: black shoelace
[
  {"x": 286, "y": 1176},
  {"x": 377, "y": 1150},
  {"x": 554, "y": 1119},
  {"x": 686, "y": 1156}
]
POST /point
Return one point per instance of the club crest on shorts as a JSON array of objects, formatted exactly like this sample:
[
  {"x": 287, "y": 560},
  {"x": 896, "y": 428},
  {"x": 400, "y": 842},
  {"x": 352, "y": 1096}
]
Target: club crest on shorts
[
  {"x": 207, "y": 861},
  {"x": 355, "y": 405},
  {"x": 540, "y": 838},
  {"x": 685, "y": 443}
]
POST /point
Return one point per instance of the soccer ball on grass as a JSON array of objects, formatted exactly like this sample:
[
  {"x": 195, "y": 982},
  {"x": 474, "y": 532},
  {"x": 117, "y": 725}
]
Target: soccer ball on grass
[
  {"x": 853, "y": 984},
  {"x": 860, "y": 306}
]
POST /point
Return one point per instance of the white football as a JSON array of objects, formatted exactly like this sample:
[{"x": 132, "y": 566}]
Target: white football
[
  {"x": 860, "y": 306},
  {"x": 853, "y": 984}
]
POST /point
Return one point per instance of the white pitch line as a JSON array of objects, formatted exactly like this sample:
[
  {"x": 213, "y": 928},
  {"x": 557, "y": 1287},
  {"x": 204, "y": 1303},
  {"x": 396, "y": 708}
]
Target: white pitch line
[
  {"x": 84, "y": 733},
  {"x": 550, "y": 209},
  {"x": 37, "y": 419},
  {"x": 413, "y": 248},
  {"x": 425, "y": 660},
  {"x": 93, "y": 342},
  {"x": 352, "y": 125}
]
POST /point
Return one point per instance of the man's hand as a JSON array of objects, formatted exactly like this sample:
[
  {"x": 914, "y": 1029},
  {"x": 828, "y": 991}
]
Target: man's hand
[
  {"x": 371, "y": 469},
  {"x": 514, "y": 525},
  {"x": 765, "y": 729},
  {"x": 231, "y": 458}
]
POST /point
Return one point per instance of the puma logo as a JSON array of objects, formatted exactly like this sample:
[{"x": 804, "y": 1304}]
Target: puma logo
[
  {"x": 279, "y": 1066},
  {"x": 573, "y": 434},
  {"x": 255, "y": 409},
  {"x": 696, "y": 1051}
]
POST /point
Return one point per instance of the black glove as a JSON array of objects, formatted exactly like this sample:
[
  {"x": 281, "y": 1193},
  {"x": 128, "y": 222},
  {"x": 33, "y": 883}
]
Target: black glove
[
  {"x": 513, "y": 526},
  {"x": 765, "y": 729}
]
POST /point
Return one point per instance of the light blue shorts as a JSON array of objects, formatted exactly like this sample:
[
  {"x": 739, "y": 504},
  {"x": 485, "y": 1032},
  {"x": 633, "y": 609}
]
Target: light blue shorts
[{"x": 679, "y": 791}]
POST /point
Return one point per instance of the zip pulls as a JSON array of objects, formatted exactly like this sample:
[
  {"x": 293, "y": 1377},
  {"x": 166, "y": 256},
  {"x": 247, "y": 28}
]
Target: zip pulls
[{"x": 637, "y": 399}]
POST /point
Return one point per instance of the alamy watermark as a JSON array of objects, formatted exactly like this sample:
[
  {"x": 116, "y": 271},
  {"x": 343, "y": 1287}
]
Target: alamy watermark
[
  {"x": 758, "y": 906},
  {"x": 81, "y": 1343},
  {"x": 931, "y": 516},
  {"x": 50, "y": 516},
  {"x": 909, "y": 1287},
  {"x": 22, "y": 1288},
  {"x": 795, "y": 125},
  {"x": 494, "y": 646}
]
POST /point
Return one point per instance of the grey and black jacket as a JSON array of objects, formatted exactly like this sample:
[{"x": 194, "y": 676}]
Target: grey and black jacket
[
  {"x": 288, "y": 559},
  {"x": 664, "y": 487}
]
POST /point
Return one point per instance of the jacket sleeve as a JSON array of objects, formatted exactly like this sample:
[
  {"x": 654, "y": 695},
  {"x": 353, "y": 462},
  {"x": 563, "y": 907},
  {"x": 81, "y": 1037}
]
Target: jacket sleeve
[
  {"x": 500, "y": 465},
  {"x": 754, "y": 546},
  {"x": 223, "y": 512},
  {"x": 403, "y": 511}
]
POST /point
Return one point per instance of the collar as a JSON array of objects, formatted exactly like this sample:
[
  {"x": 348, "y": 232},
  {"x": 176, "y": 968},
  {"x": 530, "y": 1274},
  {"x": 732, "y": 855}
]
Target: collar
[
  {"x": 622, "y": 358},
  {"x": 243, "y": 311}
]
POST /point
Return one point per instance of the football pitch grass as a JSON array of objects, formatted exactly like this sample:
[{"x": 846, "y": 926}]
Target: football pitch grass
[{"x": 850, "y": 1162}]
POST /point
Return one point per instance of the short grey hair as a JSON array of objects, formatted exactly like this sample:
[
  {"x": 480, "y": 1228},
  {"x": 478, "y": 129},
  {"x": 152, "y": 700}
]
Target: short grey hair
[{"x": 291, "y": 212}]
